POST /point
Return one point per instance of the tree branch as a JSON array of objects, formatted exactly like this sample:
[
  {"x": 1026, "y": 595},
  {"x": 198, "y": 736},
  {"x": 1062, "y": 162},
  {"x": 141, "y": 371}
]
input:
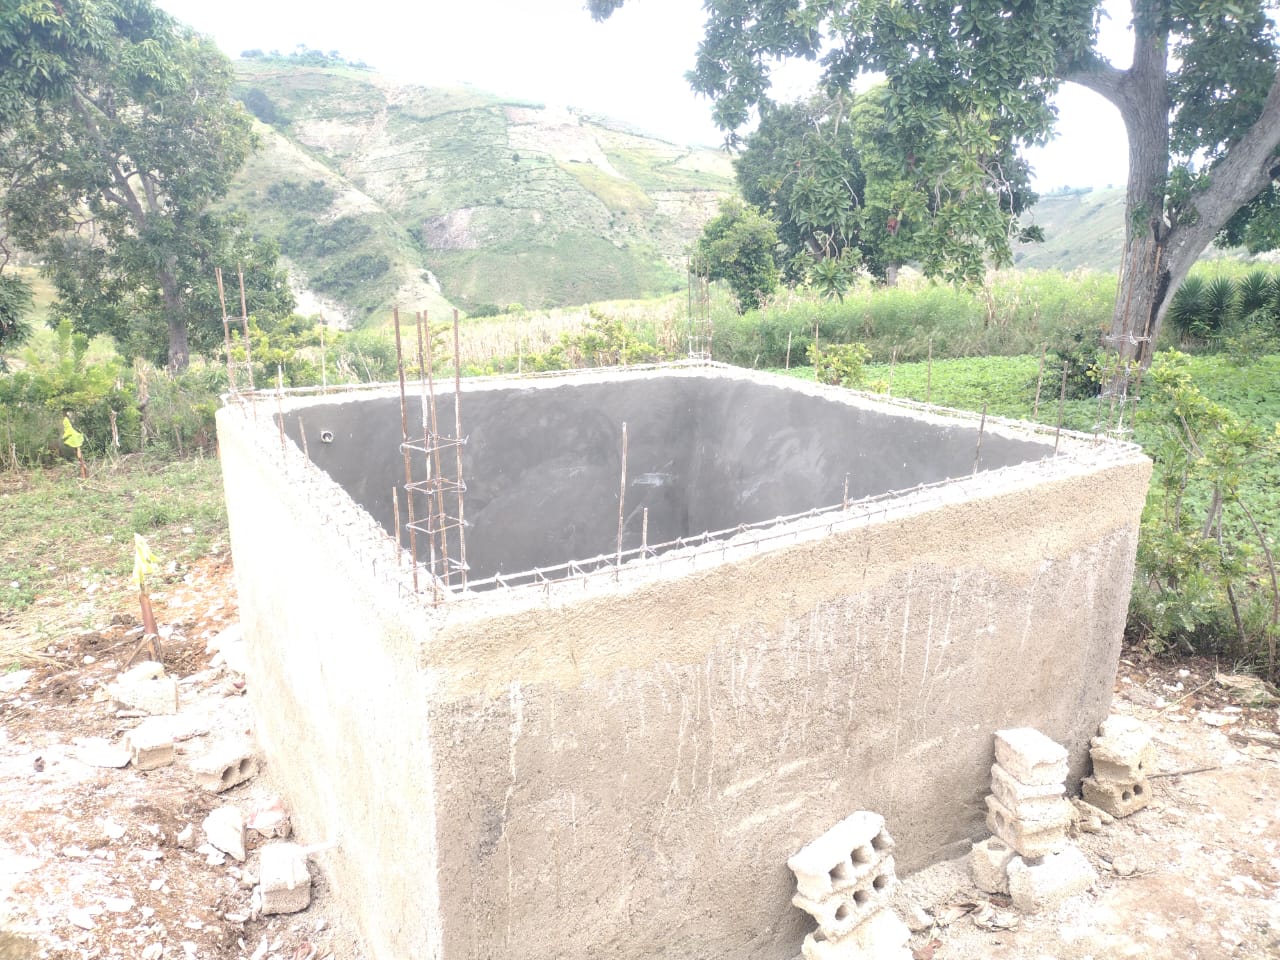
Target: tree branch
[
  {"x": 1097, "y": 75},
  {"x": 1244, "y": 172},
  {"x": 127, "y": 198}
]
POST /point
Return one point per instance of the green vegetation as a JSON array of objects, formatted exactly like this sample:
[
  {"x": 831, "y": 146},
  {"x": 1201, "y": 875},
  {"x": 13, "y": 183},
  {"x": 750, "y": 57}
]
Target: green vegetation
[
  {"x": 1198, "y": 102},
  {"x": 120, "y": 133},
  {"x": 59, "y": 534},
  {"x": 737, "y": 246}
]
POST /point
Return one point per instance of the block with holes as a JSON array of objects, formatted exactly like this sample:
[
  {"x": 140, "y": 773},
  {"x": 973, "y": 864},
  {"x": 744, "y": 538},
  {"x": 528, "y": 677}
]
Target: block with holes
[
  {"x": 1122, "y": 750},
  {"x": 1031, "y": 838},
  {"x": 845, "y": 875},
  {"x": 1118, "y": 799}
]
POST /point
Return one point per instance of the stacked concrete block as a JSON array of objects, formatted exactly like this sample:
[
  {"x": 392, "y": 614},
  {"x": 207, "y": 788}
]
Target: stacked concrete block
[
  {"x": 844, "y": 880},
  {"x": 150, "y": 745},
  {"x": 1029, "y": 857},
  {"x": 1122, "y": 759}
]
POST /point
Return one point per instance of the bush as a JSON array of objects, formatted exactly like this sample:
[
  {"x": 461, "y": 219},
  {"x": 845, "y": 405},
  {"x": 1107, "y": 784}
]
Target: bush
[{"x": 35, "y": 400}]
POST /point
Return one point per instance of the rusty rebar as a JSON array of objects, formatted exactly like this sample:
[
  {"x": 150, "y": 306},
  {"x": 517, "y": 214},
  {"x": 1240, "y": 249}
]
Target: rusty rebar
[
  {"x": 622, "y": 497},
  {"x": 404, "y": 448},
  {"x": 457, "y": 437},
  {"x": 982, "y": 426}
]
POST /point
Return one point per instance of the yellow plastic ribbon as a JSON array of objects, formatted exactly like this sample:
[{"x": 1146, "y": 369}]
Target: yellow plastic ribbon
[{"x": 144, "y": 561}]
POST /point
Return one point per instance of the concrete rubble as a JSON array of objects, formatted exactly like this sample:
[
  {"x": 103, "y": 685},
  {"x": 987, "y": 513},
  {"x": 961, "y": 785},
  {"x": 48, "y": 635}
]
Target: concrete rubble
[
  {"x": 1029, "y": 857},
  {"x": 225, "y": 830},
  {"x": 145, "y": 688},
  {"x": 1122, "y": 757},
  {"x": 844, "y": 880}
]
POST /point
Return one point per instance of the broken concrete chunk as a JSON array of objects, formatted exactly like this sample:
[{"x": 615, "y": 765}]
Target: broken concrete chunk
[
  {"x": 882, "y": 936},
  {"x": 988, "y": 864},
  {"x": 1035, "y": 887},
  {"x": 1122, "y": 751},
  {"x": 145, "y": 688},
  {"x": 224, "y": 829},
  {"x": 284, "y": 882},
  {"x": 842, "y": 857},
  {"x": 1117, "y": 799},
  {"x": 1086, "y": 810},
  {"x": 1030, "y": 757},
  {"x": 1030, "y": 838},
  {"x": 98, "y": 752},
  {"x": 150, "y": 745},
  {"x": 270, "y": 819}
]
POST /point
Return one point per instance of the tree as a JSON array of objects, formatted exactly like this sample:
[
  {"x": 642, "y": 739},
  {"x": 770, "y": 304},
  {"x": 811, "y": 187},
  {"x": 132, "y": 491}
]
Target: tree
[
  {"x": 1200, "y": 103},
  {"x": 15, "y": 301},
  {"x": 840, "y": 181},
  {"x": 738, "y": 246},
  {"x": 118, "y": 131}
]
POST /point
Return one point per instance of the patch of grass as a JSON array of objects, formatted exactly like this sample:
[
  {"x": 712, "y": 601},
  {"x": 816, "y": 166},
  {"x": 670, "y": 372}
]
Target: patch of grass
[{"x": 61, "y": 536}]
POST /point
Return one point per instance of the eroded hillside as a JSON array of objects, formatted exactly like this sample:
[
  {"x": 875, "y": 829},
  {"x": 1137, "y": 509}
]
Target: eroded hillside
[{"x": 376, "y": 191}]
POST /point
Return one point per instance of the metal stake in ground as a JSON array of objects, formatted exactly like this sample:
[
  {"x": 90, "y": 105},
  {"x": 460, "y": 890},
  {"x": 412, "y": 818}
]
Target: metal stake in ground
[
  {"x": 1062, "y": 402},
  {"x": 1035, "y": 408},
  {"x": 928, "y": 375}
]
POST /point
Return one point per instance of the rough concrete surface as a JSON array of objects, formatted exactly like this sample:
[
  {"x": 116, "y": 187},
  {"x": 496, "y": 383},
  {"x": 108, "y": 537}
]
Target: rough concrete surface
[{"x": 638, "y": 756}]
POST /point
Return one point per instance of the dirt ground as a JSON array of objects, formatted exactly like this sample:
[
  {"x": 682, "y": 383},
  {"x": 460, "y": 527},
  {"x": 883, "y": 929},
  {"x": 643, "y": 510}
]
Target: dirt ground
[{"x": 100, "y": 862}]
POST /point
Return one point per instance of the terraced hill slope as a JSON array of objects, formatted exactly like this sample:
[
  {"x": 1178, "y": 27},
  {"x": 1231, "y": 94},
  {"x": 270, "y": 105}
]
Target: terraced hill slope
[{"x": 381, "y": 193}]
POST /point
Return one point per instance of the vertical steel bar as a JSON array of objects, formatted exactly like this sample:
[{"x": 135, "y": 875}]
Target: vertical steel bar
[
  {"x": 433, "y": 465},
  {"x": 280, "y": 403},
  {"x": 928, "y": 376},
  {"x": 395, "y": 513},
  {"x": 404, "y": 439},
  {"x": 622, "y": 499},
  {"x": 982, "y": 426},
  {"x": 1035, "y": 408},
  {"x": 435, "y": 522},
  {"x": 457, "y": 439}
]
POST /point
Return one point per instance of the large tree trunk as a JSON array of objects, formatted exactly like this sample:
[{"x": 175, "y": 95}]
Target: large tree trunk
[
  {"x": 1158, "y": 253},
  {"x": 179, "y": 351}
]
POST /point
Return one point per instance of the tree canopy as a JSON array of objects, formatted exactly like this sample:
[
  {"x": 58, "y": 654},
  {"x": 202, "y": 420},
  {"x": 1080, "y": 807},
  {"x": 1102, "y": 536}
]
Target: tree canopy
[
  {"x": 847, "y": 188},
  {"x": 118, "y": 131},
  {"x": 1200, "y": 102},
  {"x": 738, "y": 246}
]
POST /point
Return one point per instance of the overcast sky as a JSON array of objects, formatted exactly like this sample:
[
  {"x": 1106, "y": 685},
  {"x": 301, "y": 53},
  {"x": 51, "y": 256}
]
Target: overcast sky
[{"x": 630, "y": 67}]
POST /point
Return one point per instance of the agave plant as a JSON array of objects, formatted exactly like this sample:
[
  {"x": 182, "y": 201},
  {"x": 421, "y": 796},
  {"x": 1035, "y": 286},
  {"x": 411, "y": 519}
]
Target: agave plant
[{"x": 1187, "y": 308}]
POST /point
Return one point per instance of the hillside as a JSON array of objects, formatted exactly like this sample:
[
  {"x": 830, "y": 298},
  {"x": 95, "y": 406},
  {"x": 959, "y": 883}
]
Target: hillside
[
  {"x": 378, "y": 192},
  {"x": 1082, "y": 228}
]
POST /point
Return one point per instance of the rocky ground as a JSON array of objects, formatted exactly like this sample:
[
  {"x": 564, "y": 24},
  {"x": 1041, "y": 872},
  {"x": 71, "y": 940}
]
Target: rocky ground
[{"x": 112, "y": 862}]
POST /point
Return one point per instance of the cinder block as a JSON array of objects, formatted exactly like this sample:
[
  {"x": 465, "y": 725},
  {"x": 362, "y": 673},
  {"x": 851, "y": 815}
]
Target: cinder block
[
  {"x": 1034, "y": 887},
  {"x": 988, "y": 865},
  {"x": 882, "y": 936},
  {"x": 284, "y": 882},
  {"x": 1122, "y": 751},
  {"x": 150, "y": 745},
  {"x": 1030, "y": 757},
  {"x": 1031, "y": 838},
  {"x": 845, "y": 909},
  {"x": 842, "y": 857},
  {"x": 1117, "y": 799},
  {"x": 224, "y": 766},
  {"x": 1027, "y": 802}
]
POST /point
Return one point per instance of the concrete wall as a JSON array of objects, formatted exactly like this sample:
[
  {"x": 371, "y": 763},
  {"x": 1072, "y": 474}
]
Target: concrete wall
[
  {"x": 543, "y": 461},
  {"x": 622, "y": 767}
]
